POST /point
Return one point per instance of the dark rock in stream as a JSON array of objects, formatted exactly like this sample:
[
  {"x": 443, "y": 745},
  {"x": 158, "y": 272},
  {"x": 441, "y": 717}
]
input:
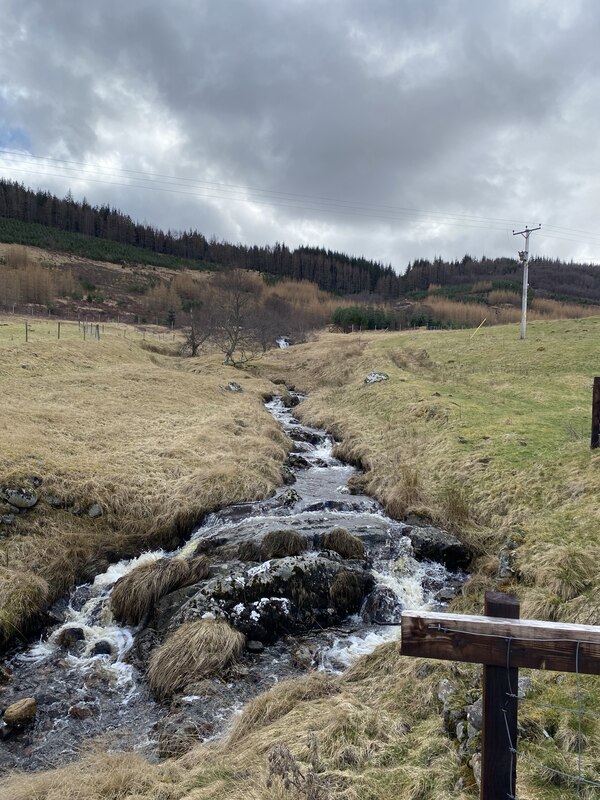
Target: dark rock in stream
[
  {"x": 70, "y": 637},
  {"x": 297, "y": 461},
  {"x": 299, "y": 434},
  {"x": 435, "y": 544},
  {"x": 282, "y": 596}
]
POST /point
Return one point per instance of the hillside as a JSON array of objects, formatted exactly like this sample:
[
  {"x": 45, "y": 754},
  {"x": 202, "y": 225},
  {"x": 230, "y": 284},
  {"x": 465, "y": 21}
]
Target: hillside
[{"x": 102, "y": 233}]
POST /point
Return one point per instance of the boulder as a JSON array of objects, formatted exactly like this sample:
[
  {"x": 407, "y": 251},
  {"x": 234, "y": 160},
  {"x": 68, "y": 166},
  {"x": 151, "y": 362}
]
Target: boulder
[
  {"x": 19, "y": 498},
  {"x": 289, "y": 497},
  {"x": 288, "y": 476},
  {"x": 21, "y": 713},
  {"x": 281, "y": 596},
  {"x": 300, "y": 434},
  {"x": 7, "y": 519},
  {"x": 102, "y": 648},
  {"x": 434, "y": 544},
  {"x": 54, "y": 501},
  {"x": 297, "y": 461},
  {"x": 382, "y": 606},
  {"x": 95, "y": 511},
  {"x": 232, "y": 386},
  {"x": 69, "y": 637},
  {"x": 377, "y": 377},
  {"x": 290, "y": 400}
]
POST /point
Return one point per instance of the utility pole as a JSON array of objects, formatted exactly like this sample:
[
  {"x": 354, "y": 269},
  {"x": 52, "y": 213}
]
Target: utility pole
[{"x": 524, "y": 258}]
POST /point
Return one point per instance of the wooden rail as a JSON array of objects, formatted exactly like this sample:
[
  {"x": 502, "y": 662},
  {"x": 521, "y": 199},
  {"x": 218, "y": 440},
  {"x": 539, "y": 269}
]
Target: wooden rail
[{"x": 485, "y": 640}]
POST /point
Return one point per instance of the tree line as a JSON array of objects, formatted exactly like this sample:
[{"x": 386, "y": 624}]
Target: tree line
[{"x": 331, "y": 270}]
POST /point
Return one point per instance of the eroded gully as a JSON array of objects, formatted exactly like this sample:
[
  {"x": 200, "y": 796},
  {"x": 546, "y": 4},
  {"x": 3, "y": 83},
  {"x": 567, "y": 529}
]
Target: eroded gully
[{"x": 87, "y": 672}]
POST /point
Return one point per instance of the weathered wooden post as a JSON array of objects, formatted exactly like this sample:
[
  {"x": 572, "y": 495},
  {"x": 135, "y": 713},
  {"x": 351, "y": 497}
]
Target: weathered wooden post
[
  {"x": 596, "y": 415},
  {"x": 26, "y": 331},
  {"x": 58, "y": 330},
  {"x": 499, "y": 729}
]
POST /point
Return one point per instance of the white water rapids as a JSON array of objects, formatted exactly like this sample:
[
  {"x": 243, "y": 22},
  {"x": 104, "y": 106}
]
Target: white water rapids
[{"x": 98, "y": 673}]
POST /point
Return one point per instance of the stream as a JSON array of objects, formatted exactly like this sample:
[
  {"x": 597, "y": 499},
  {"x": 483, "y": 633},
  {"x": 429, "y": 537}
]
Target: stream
[{"x": 87, "y": 672}]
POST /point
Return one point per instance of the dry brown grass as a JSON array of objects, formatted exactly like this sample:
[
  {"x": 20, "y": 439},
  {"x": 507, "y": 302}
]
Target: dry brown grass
[
  {"x": 472, "y": 314},
  {"x": 135, "y": 594},
  {"x": 195, "y": 650},
  {"x": 154, "y": 440},
  {"x": 346, "y": 592},
  {"x": 343, "y": 542}
]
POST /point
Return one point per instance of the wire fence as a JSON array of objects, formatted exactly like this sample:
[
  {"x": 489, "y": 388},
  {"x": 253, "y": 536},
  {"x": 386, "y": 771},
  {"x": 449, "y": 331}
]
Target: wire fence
[{"x": 586, "y": 774}]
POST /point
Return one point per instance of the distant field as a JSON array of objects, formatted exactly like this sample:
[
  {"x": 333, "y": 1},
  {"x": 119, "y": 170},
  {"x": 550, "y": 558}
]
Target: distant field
[{"x": 153, "y": 438}]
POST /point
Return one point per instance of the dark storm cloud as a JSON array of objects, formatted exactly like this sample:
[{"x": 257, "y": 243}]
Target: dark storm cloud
[{"x": 482, "y": 109}]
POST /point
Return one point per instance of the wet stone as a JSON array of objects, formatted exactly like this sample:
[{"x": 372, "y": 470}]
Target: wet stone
[
  {"x": 81, "y": 711},
  {"x": 102, "y": 648},
  {"x": 20, "y": 713},
  {"x": 70, "y": 636}
]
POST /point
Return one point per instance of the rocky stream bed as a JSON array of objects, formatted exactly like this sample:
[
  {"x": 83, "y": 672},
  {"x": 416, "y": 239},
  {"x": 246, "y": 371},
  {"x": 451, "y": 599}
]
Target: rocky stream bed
[{"x": 319, "y": 607}]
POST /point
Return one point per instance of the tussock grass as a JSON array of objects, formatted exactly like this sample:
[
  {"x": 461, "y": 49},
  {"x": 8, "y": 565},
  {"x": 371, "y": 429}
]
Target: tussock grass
[
  {"x": 346, "y": 592},
  {"x": 96, "y": 777},
  {"x": 249, "y": 551},
  {"x": 279, "y": 544},
  {"x": 280, "y": 701},
  {"x": 343, "y": 542},
  {"x": 193, "y": 651},
  {"x": 154, "y": 440},
  {"x": 20, "y": 592},
  {"x": 135, "y": 594}
]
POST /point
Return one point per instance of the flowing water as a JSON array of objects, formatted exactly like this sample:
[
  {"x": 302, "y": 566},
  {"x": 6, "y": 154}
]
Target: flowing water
[{"x": 87, "y": 683}]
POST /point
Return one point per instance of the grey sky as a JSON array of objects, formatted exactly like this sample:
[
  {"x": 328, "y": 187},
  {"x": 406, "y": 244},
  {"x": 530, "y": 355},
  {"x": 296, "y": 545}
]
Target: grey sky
[{"x": 456, "y": 108}]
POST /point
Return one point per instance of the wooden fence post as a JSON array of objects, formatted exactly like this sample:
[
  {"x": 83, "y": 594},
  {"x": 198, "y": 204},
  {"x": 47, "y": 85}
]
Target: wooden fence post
[
  {"x": 499, "y": 728},
  {"x": 596, "y": 415},
  {"x": 58, "y": 334}
]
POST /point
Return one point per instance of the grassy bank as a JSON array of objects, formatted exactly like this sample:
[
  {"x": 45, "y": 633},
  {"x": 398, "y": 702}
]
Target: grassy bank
[
  {"x": 155, "y": 440},
  {"x": 479, "y": 432}
]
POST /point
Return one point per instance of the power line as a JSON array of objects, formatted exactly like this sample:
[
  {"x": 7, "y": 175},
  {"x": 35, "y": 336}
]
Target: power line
[
  {"x": 179, "y": 181},
  {"x": 321, "y": 209}
]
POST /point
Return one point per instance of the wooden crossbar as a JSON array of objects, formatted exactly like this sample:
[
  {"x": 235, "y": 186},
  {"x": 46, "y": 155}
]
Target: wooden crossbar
[{"x": 492, "y": 641}]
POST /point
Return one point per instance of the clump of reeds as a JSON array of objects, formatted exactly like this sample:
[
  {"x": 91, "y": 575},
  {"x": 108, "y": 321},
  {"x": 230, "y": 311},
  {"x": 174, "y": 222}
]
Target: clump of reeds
[
  {"x": 135, "y": 594},
  {"x": 249, "y": 551},
  {"x": 22, "y": 596},
  {"x": 279, "y": 544},
  {"x": 343, "y": 542},
  {"x": 194, "y": 651},
  {"x": 346, "y": 592}
]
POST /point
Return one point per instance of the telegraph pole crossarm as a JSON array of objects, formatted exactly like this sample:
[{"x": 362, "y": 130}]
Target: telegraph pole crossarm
[{"x": 524, "y": 258}]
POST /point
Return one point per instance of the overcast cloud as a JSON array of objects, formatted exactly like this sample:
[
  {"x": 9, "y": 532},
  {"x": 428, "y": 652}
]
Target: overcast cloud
[{"x": 316, "y": 121}]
